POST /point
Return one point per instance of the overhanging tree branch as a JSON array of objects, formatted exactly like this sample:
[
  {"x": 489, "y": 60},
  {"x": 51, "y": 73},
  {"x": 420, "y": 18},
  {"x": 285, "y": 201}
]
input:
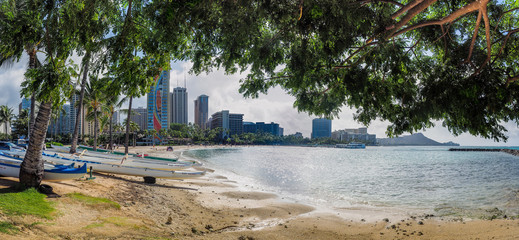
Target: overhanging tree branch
[{"x": 478, "y": 22}]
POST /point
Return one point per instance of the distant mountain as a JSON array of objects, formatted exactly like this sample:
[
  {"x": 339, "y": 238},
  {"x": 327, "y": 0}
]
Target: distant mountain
[{"x": 416, "y": 139}]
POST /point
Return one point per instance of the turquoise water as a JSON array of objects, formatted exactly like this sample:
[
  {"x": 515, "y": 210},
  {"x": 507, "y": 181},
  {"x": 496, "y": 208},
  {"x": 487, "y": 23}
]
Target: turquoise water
[{"x": 425, "y": 179}]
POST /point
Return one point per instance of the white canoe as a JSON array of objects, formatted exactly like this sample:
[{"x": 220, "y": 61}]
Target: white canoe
[
  {"x": 118, "y": 169},
  {"x": 128, "y": 163},
  {"x": 118, "y": 160},
  {"x": 11, "y": 168}
]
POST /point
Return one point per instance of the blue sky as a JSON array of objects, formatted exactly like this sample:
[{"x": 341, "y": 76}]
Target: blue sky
[{"x": 276, "y": 106}]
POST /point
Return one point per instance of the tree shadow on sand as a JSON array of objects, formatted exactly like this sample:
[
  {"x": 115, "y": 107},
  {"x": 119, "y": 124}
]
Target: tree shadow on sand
[
  {"x": 143, "y": 183},
  {"x": 9, "y": 185}
]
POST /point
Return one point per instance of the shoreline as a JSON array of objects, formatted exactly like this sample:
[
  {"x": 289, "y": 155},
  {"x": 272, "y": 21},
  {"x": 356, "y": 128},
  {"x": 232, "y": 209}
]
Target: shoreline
[
  {"x": 357, "y": 212},
  {"x": 215, "y": 207}
]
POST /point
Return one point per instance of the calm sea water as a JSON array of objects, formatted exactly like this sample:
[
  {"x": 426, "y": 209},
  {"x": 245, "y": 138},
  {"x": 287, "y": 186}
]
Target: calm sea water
[{"x": 425, "y": 179}]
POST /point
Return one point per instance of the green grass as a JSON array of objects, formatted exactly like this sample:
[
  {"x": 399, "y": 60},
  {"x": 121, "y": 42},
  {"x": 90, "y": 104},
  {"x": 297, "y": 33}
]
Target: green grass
[
  {"x": 116, "y": 221},
  {"x": 94, "y": 201},
  {"x": 94, "y": 225},
  {"x": 28, "y": 202},
  {"x": 7, "y": 227}
]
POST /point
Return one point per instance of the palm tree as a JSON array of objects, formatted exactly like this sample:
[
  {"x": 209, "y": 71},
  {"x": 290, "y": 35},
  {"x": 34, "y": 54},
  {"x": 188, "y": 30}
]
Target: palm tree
[
  {"x": 54, "y": 116},
  {"x": 6, "y": 115},
  {"x": 109, "y": 106},
  {"x": 94, "y": 94},
  {"x": 164, "y": 134},
  {"x": 133, "y": 128}
]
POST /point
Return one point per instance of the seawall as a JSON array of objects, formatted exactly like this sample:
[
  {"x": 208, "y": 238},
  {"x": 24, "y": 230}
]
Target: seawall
[{"x": 509, "y": 151}]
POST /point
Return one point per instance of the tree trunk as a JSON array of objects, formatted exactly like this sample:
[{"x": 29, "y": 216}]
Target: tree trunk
[
  {"x": 31, "y": 169},
  {"x": 110, "y": 132},
  {"x": 127, "y": 138},
  {"x": 80, "y": 104},
  {"x": 95, "y": 129}
]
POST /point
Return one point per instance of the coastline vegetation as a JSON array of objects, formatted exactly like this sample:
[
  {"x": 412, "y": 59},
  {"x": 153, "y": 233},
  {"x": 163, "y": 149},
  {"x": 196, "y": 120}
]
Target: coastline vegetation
[{"x": 179, "y": 134}]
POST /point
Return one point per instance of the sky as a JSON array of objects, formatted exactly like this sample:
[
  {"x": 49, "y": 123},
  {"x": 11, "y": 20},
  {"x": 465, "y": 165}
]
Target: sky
[{"x": 276, "y": 106}]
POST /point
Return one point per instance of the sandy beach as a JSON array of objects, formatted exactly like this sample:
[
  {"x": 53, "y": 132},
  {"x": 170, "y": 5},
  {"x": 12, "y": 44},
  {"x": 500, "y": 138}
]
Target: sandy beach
[{"x": 214, "y": 207}]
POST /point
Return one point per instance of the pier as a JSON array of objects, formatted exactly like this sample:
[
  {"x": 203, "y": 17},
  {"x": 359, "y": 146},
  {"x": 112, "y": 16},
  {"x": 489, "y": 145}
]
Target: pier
[{"x": 505, "y": 150}]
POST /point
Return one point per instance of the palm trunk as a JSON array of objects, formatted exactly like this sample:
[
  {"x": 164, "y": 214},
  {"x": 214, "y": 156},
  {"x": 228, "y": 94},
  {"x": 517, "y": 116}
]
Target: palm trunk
[
  {"x": 80, "y": 106},
  {"x": 110, "y": 132},
  {"x": 95, "y": 129},
  {"x": 127, "y": 138},
  {"x": 32, "y": 65},
  {"x": 31, "y": 169}
]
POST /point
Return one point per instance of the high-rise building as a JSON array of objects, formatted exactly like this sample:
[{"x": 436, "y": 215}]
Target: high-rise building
[
  {"x": 321, "y": 127},
  {"x": 158, "y": 104},
  {"x": 140, "y": 116},
  {"x": 73, "y": 114},
  {"x": 201, "y": 110},
  {"x": 61, "y": 125},
  {"x": 25, "y": 104},
  {"x": 272, "y": 128},
  {"x": 231, "y": 123},
  {"x": 116, "y": 119},
  {"x": 179, "y": 105}
]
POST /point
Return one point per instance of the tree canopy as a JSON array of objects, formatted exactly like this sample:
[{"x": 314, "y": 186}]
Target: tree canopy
[{"x": 407, "y": 62}]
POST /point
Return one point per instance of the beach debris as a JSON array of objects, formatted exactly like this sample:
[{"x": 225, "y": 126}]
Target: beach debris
[
  {"x": 209, "y": 227},
  {"x": 420, "y": 223},
  {"x": 245, "y": 238},
  {"x": 385, "y": 219},
  {"x": 169, "y": 221}
]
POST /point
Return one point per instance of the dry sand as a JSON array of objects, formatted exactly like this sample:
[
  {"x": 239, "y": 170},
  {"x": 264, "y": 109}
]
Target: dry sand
[{"x": 214, "y": 208}]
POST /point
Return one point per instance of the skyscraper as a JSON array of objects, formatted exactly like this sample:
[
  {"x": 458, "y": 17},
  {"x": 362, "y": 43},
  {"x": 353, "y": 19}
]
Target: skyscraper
[
  {"x": 158, "y": 103},
  {"x": 116, "y": 116},
  {"x": 230, "y": 123},
  {"x": 201, "y": 110},
  {"x": 179, "y": 105},
  {"x": 73, "y": 114},
  {"x": 25, "y": 104},
  {"x": 321, "y": 127},
  {"x": 140, "y": 117}
]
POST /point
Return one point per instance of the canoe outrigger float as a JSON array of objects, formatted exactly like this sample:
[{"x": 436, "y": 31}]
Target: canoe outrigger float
[{"x": 10, "y": 167}]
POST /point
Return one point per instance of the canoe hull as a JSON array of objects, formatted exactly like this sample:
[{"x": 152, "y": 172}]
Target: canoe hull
[{"x": 12, "y": 169}]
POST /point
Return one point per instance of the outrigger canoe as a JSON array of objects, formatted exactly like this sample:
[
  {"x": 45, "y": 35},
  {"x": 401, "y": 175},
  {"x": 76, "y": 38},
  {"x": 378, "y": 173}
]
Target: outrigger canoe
[
  {"x": 131, "y": 154},
  {"x": 115, "y": 168},
  {"x": 10, "y": 167},
  {"x": 130, "y": 161}
]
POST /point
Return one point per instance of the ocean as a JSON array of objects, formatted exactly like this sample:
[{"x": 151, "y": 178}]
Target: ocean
[{"x": 418, "y": 180}]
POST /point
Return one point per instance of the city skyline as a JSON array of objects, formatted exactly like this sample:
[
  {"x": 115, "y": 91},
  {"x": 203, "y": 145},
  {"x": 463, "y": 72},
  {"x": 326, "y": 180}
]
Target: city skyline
[{"x": 276, "y": 106}]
